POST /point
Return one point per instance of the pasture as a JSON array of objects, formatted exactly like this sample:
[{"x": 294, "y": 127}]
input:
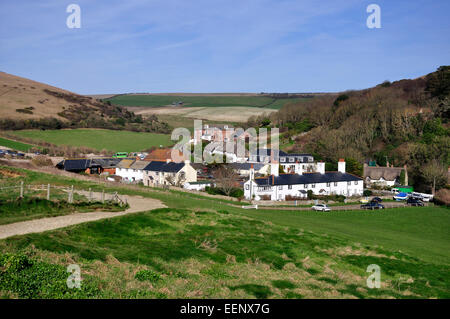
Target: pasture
[
  {"x": 204, "y": 100},
  {"x": 204, "y": 248},
  {"x": 15, "y": 145},
  {"x": 124, "y": 141}
]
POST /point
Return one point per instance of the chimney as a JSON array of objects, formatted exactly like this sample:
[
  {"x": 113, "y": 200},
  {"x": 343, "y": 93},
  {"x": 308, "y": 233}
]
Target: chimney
[
  {"x": 274, "y": 165},
  {"x": 168, "y": 160},
  {"x": 341, "y": 165},
  {"x": 406, "y": 174},
  {"x": 321, "y": 167},
  {"x": 300, "y": 170}
]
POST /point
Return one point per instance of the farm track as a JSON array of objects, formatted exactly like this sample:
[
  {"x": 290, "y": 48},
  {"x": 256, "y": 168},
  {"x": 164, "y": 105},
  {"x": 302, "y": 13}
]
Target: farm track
[{"x": 137, "y": 204}]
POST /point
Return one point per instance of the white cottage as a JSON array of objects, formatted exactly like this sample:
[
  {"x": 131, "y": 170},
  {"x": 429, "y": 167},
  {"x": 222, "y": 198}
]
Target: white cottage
[{"x": 278, "y": 186}]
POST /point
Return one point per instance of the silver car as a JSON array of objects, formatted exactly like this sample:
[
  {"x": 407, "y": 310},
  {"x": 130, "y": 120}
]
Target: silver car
[{"x": 321, "y": 208}]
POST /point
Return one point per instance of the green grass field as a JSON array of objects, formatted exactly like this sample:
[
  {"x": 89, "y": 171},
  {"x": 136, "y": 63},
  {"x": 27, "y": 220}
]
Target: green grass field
[
  {"x": 15, "y": 145},
  {"x": 205, "y": 101},
  {"x": 123, "y": 141},
  {"x": 201, "y": 247}
]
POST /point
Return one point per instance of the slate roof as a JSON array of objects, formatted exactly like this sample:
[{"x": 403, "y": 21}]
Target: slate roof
[
  {"x": 307, "y": 178},
  {"x": 76, "y": 164},
  {"x": 79, "y": 164},
  {"x": 159, "y": 166}
]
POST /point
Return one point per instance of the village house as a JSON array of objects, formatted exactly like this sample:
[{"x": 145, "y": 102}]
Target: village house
[
  {"x": 197, "y": 186},
  {"x": 214, "y": 133},
  {"x": 159, "y": 173},
  {"x": 291, "y": 163},
  {"x": 131, "y": 170},
  {"x": 279, "y": 186},
  {"x": 384, "y": 176},
  {"x": 243, "y": 169}
]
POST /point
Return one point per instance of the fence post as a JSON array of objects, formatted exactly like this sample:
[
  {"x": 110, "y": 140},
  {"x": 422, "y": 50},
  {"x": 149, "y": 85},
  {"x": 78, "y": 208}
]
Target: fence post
[
  {"x": 90, "y": 194},
  {"x": 21, "y": 189},
  {"x": 103, "y": 195},
  {"x": 48, "y": 191}
]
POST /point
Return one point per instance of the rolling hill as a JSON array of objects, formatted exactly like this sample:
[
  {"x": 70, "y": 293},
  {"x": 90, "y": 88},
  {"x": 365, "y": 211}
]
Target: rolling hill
[{"x": 27, "y": 104}]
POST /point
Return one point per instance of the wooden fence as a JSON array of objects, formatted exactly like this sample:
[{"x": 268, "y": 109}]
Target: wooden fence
[{"x": 19, "y": 191}]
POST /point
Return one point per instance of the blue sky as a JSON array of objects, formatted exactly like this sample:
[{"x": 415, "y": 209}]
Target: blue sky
[{"x": 222, "y": 46}]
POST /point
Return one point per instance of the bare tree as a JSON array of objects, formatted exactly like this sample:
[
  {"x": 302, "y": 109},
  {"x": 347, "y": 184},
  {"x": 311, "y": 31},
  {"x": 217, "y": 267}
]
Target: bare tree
[
  {"x": 225, "y": 177},
  {"x": 435, "y": 174}
]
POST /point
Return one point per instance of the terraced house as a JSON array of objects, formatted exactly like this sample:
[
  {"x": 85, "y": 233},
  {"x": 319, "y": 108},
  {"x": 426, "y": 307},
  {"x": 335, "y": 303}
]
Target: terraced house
[
  {"x": 159, "y": 173},
  {"x": 280, "y": 186}
]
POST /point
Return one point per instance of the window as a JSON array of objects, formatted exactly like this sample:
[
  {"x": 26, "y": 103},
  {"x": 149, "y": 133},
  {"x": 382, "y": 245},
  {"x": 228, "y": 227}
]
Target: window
[
  {"x": 289, "y": 186},
  {"x": 328, "y": 184},
  {"x": 291, "y": 159},
  {"x": 280, "y": 187},
  {"x": 335, "y": 183},
  {"x": 313, "y": 185},
  {"x": 247, "y": 187},
  {"x": 305, "y": 185},
  {"x": 282, "y": 159},
  {"x": 349, "y": 183},
  {"x": 356, "y": 182}
]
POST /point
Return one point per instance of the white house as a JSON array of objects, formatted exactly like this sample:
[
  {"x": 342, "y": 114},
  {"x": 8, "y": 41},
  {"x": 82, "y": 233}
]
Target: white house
[
  {"x": 197, "y": 186},
  {"x": 131, "y": 170},
  {"x": 385, "y": 176},
  {"x": 291, "y": 163},
  {"x": 278, "y": 186}
]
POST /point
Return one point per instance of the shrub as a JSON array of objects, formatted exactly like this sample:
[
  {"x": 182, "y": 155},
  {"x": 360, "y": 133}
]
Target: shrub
[
  {"x": 42, "y": 160},
  {"x": 367, "y": 192},
  {"x": 147, "y": 275}
]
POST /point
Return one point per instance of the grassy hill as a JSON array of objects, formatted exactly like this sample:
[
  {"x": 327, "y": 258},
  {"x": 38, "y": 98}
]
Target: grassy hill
[
  {"x": 201, "y": 247},
  {"x": 201, "y": 100},
  {"x": 15, "y": 145},
  {"x": 99, "y": 139},
  {"x": 28, "y": 104}
]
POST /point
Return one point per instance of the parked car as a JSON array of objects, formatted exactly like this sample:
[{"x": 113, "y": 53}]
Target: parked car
[
  {"x": 414, "y": 202},
  {"x": 321, "y": 208},
  {"x": 401, "y": 196},
  {"x": 376, "y": 200},
  {"x": 372, "y": 205}
]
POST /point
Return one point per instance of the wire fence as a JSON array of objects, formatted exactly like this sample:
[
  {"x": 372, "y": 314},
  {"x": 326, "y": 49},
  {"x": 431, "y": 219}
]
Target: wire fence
[{"x": 56, "y": 192}]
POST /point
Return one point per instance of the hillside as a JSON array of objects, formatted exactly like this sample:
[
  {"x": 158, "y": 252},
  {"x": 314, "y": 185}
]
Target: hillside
[
  {"x": 29, "y": 104},
  {"x": 403, "y": 122}
]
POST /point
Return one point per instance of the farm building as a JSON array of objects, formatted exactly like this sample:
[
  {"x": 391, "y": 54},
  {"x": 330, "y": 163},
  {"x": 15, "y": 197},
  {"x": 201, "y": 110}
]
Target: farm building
[
  {"x": 280, "y": 186},
  {"x": 159, "y": 173},
  {"x": 90, "y": 165}
]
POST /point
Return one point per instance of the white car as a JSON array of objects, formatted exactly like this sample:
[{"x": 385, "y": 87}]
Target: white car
[{"x": 321, "y": 208}]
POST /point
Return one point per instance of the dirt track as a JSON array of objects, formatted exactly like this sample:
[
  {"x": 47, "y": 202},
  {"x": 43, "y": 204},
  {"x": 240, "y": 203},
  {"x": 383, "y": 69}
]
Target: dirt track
[{"x": 137, "y": 204}]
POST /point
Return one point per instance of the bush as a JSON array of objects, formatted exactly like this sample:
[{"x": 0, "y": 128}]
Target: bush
[
  {"x": 42, "y": 160},
  {"x": 30, "y": 278},
  {"x": 367, "y": 192},
  {"x": 147, "y": 275}
]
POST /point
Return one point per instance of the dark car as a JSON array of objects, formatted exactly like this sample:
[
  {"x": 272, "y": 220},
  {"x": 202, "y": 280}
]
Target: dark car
[
  {"x": 414, "y": 202},
  {"x": 376, "y": 200},
  {"x": 372, "y": 205}
]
